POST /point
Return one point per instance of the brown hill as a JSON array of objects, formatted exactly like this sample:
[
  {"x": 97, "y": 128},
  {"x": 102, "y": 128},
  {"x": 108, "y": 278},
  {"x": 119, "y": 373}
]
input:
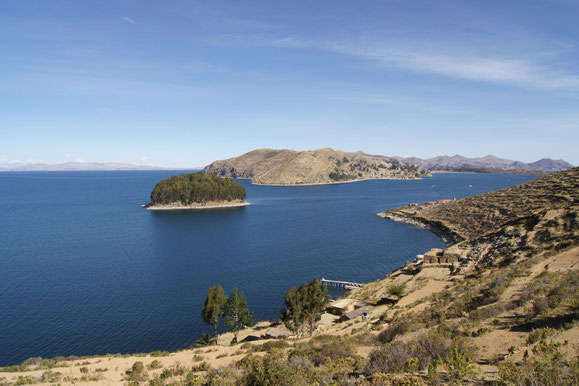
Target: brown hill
[
  {"x": 480, "y": 214},
  {"x": 323, "y": 166}
]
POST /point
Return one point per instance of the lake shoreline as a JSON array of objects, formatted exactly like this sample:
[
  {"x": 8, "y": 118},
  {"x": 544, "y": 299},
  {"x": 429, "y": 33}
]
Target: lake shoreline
[
  {"x": 336, "y": 182},
  {"x": 447, "y": 238},
  {"x": 199, "y": 206}
]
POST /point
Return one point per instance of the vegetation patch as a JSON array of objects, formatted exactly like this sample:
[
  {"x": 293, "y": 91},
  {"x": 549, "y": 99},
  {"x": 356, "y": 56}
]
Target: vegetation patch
[{"x": 187, "y": 189}]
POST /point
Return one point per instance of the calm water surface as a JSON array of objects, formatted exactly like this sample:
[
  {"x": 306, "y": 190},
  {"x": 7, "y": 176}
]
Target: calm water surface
[{"x": 85, "y": 270}]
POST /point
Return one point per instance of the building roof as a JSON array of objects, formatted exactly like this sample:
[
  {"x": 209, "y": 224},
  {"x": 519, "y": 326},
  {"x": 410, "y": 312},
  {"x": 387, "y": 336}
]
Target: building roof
[
  {"x": 276, "y": 333},
  {"x": 341, "y": 303},
  {"x": 357, "y": 312}
]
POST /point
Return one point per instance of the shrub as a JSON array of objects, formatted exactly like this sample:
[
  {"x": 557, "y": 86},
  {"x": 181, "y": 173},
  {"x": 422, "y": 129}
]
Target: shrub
[
  {"x": 397, "y": 290},
  {"x": 205, "y": 340},
  {"x": 226, "y": 375},
  {"x": 155, "y": 365},
  {"x": 137, "y": 372},
  {"x": 269, "y": 370},
  {"x": 271, "y": 345},
  {"x": 436, "y": 346},
  {"x": 203, "y": 366},
  {"x": 387, "y": 359},
  {"x": 548, "y": 366},
  {"x": 25, "y": 380},
  {"x": 540, "y": 334},
  {"x": 432, "y": 346},
  {"x": 392, "y": 331},
  {"x": 325, "y": 348},
  {"x": 459, "y": 365},
  {"x": 50, "y": 376}
]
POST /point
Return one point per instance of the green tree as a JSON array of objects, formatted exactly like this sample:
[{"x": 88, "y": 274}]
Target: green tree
[
  {"x": 304, "y": 307},
  {"x": 214, "y": 307},
  {"x": 236, "y": 314},
  {"x": 293, "y": 315},
  {"x": 317, "y": 298}
]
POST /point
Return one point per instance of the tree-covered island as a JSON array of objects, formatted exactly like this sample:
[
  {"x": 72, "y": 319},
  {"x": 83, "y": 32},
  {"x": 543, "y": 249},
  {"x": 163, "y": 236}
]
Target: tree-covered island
[{"x": 196, "y": 190}]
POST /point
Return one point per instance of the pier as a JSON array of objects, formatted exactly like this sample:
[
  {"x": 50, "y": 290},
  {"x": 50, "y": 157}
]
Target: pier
[{"x": 345, "y": 284}]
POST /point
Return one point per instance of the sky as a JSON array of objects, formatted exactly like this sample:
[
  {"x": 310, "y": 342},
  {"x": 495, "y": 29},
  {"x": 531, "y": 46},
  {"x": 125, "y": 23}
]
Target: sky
[{"x": 180, "y": 83}]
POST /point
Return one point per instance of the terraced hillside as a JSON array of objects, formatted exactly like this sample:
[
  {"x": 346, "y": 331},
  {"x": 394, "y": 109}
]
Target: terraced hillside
[{"x": 476, "y": 215}]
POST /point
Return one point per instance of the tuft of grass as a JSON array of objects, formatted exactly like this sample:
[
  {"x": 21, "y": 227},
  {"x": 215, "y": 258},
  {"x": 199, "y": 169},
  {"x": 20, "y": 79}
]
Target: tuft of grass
[{"x": 396, "y": 290}]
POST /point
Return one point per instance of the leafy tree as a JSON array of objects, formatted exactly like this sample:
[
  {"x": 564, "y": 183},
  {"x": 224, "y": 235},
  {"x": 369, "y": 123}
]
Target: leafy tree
[
  {"x": 317, "y": 299},
  {"x": 294, "y": 314},
  {"x": 236, "y": 314},
  {"x": 304, "y": 307},
  {"x": 214, "y": 306}
]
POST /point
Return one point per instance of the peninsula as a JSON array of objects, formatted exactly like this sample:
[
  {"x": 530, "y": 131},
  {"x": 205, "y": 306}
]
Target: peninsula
[
  {"x": 313, "y": 167},
  {"x": 196, "y": 191}
]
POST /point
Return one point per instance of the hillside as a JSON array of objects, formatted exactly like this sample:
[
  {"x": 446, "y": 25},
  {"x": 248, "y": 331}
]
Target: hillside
[
  {"x": 323, "y": 166},
  {"x": 480, "y": 214},
  {"x": 487, "y": 164}
]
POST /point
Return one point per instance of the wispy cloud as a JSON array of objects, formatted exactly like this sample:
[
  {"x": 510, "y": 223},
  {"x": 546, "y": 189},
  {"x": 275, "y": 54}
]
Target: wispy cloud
[
  {"x": 128, "y": 20},
  {"x": 447, "y": 62}
]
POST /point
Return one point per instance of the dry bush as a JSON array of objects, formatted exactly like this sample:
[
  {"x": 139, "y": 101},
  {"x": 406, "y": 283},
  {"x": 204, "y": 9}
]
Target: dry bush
[
  {"x": 387, "y": 359},
  {"x": 398, "y": 327}
]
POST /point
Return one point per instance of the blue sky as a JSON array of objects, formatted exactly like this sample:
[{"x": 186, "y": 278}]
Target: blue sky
[{"x": 181, "y": 83}]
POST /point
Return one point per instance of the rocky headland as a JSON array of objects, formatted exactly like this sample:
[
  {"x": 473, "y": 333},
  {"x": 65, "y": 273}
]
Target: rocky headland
[{"x": 323, "y": 166}]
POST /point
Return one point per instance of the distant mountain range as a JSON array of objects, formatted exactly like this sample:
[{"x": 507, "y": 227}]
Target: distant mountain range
[
  {"x": 488, "y": 164},
  {"x": 259, "y": 163},
  {"x": 76, "y": 166}
]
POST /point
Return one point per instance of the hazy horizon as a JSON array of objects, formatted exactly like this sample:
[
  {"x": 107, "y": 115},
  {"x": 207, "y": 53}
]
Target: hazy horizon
[
  {"x": 196, "y": 167},
  {"x": 183, "y": 83}
]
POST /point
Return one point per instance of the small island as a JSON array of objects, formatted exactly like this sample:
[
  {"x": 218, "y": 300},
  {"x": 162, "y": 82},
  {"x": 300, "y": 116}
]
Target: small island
[{"x": 196, "y": 191}]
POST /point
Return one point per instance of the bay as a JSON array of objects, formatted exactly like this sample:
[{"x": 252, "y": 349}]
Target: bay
[{"x": 85, "y": 270}]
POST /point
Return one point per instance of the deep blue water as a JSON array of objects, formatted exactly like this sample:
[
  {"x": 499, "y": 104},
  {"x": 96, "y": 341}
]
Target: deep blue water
[{"x": 85, "y": 270}]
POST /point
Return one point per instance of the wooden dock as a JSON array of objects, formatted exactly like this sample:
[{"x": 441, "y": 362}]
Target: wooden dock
[{"x": 345, "y": 284}]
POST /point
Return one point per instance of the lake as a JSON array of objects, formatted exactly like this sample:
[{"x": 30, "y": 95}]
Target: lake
[{"x": 85, "y": 270}]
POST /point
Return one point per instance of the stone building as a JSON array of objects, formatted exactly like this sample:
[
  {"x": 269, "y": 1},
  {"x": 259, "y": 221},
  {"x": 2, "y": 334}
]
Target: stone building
[{"x": 442, "y": 256}]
